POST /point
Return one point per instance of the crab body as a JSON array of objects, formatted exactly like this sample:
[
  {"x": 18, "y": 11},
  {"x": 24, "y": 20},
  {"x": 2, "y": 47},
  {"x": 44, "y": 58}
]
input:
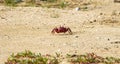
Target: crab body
[{"x": 61, "y": 29}]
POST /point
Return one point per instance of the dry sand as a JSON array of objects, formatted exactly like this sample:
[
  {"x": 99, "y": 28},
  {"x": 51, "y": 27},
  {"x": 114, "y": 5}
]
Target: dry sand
[{"x": 29, "y": 28}]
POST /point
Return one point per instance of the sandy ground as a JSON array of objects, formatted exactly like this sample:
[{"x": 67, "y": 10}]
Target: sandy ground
[{"x": 29, "y": 28}]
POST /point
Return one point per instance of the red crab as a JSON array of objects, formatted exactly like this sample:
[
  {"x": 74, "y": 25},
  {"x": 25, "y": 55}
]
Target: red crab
[{"x": 61, "y": 29}]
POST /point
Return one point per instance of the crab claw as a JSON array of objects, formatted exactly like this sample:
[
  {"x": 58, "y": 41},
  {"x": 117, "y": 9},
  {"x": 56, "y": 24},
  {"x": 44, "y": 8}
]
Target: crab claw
[{"x": 54, "y": 30}]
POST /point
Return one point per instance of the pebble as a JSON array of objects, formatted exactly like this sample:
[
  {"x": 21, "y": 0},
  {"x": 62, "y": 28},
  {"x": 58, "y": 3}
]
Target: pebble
[
  {"x": 106, "y": 48},
  {"x": 108, "y": 39},
  {"x": 76, "y": 36},
  {"x": 101, "y": 13},
  {"x": 77, "y": 8},
  {"x": 38, "y": 28},
  {"x": 94, "y": 20},
  {"x": 74, "y": 55},
  {"x": 91, "y": 22},
  {"x": 116, "y": 42}
]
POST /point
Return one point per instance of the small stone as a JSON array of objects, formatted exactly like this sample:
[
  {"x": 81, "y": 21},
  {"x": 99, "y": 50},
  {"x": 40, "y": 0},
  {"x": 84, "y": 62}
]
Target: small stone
[
  {"x": 106, "y": 48},
  {"x": 116, "y": 42},
  {"x": 91, "y": 22},
  {"x": 76, "y": 36},
  {"x": 75, "y": 51},
  {"x": 2, "y": 18},
  {"x": 108, "y": 39},
  {"x": 116, "y": 1},
  {"x": 74, "y": 55},
  {"x": 94, "y": 20},
  {"x": 77, "y": 8},
  {"x": 101, "y": 13},
  {"x": 38, "y": 28}
]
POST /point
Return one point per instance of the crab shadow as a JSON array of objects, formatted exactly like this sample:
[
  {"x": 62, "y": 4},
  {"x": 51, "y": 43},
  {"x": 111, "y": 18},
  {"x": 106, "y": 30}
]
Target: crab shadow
[{"x": 67, "y": 34}]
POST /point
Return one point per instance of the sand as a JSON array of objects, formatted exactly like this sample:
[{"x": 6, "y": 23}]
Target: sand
[{"x": 29, "y": 28}]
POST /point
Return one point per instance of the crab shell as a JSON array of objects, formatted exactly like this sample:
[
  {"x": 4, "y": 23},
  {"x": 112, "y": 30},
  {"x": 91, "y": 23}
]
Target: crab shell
[{"x": 61, "y": 30}]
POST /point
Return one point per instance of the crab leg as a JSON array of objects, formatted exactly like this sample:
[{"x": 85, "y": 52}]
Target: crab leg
[
  {"x": 53, "y": 31},
  {"x": 69, "y": 30}
]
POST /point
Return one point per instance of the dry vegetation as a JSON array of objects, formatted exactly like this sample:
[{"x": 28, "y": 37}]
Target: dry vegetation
[{"x": 83, "y": 4}]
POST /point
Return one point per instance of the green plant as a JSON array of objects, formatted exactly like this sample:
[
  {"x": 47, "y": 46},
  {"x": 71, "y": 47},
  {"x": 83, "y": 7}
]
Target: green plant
[
  {"x": 91, "y": 58},
  {"x": 51, "y": 0},
  {"x": 63, "y": 4},
  {"x": 30, "y": 2},
  {"x": 10, "y": 2},
  {"x": 27, "y": 57}
]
